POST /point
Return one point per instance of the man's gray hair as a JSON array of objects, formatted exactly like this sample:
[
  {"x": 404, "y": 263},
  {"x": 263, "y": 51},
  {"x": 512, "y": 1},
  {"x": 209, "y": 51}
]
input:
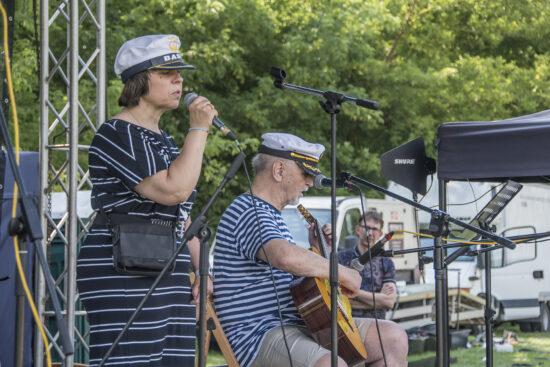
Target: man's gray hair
[{"x": 263, "y": 162}]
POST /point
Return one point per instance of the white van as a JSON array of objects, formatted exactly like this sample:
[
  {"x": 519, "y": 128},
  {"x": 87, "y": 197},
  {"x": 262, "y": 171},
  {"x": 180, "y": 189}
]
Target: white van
[
  {"x": 521, "y": 277},
  {"x": 396, "y": 215}
]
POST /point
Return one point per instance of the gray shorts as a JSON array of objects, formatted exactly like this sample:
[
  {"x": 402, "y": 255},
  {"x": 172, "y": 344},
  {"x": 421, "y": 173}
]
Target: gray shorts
[{"x": 304, "y": 350}]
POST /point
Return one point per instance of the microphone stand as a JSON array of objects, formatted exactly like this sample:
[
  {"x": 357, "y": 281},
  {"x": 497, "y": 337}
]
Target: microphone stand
[
  {"x": 438, "y": 225},
  {"x": 489, "y": 312},
  {"x": 199, "y": 229},
  {"x": 331, "y": 105},
  {"x": 28, "y": 224}
]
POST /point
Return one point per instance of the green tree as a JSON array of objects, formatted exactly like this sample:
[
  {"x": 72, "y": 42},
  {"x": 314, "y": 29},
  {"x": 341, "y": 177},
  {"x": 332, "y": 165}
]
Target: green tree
[{"x": 425, "y": 61}]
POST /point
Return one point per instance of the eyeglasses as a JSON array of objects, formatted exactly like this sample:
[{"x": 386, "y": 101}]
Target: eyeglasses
[{"x": 370, "y": 229}]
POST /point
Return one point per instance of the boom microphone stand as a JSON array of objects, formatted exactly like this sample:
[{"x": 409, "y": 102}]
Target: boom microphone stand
[
  {"x": 199, "y": 229},
  {"x": 28, "y": 224},
  {"x": 438, "y": 225},
  {"x": 332, "y": 105}
]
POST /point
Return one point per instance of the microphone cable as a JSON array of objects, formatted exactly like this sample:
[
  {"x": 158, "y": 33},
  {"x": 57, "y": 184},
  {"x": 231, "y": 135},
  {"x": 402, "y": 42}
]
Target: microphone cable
[
  {"x": 455, "y": 240},
  {"x": 472, "y": 201},
  {"x": 253, "y": 198},
  {"x": 14, "y": 202},
  {"x": 397, "y": 303}
]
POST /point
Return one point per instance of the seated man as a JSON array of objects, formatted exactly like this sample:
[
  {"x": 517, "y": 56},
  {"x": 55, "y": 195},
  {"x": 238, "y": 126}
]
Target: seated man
[
  {"x": 252, "y": 299},
  {"x": 383, "y": 270}
]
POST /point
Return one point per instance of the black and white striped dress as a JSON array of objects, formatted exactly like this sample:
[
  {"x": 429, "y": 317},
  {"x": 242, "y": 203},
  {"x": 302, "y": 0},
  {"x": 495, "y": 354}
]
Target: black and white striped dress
[{"x": 120, "y": 157}]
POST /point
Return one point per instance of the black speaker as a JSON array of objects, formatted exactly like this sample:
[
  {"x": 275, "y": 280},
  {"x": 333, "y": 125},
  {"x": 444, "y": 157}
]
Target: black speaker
[{"x": 408, "y": 165}]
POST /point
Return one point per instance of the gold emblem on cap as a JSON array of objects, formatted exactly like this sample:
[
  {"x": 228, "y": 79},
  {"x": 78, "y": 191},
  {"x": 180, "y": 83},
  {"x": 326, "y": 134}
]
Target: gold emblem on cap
[
  {"x": 314, "y": 169},
  {"x": 173, "y": 43},
  {"x": 292, "y": 154}
]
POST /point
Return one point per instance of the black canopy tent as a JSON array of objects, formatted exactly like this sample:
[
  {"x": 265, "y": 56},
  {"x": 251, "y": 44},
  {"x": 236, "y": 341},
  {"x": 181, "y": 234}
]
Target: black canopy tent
[{"x": 517, "y": 149}]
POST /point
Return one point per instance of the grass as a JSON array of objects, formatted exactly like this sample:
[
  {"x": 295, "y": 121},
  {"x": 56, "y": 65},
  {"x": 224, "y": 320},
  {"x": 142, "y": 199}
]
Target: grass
[
  {"x": 538, "y": 342},
  {"x": 215, "y": 358}
]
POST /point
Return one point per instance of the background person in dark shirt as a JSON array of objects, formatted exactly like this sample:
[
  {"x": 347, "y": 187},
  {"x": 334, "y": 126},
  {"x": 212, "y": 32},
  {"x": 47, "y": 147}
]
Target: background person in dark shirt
[{"x": 383, "y": 270}]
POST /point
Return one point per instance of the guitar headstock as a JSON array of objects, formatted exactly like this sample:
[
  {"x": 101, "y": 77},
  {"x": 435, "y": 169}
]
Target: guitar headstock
[
  {"x": 322, "y": 247},
  {"x": 307, "y": 215}
]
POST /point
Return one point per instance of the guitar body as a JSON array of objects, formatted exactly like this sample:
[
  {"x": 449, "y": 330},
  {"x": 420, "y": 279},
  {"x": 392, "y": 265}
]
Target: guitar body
[{"x": 312, "y": 298}]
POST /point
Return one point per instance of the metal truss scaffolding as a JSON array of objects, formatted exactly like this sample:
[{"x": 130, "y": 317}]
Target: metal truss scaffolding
[{"x": 72, "y": 106}]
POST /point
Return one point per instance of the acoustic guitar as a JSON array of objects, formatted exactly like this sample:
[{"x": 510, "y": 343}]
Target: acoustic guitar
[{"x": 312, "y": 298}]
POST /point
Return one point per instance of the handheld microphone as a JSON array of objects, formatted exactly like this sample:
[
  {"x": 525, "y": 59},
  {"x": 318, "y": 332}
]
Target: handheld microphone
[
  {"x": 359, "y": 262},
  {"x": 190, "y": 97},
  {"x": 321, "y": 181}
]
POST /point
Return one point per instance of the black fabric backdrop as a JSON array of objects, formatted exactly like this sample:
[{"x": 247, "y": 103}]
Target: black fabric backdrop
[{"x": 517, "y": 148}]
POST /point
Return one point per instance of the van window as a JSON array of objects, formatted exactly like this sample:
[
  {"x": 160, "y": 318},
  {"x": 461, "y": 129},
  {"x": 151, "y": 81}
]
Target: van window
[
  {"x": 348, "y": 226},
  {"x": 297, "y": 225},
  {"x": 523, "y": 251}
]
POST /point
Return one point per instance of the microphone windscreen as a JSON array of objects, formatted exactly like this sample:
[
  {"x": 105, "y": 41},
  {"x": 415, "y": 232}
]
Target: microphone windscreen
[
  {"x": 318, "y": 181},
  {"x": 356, "y": 264},
  {"x": 189, "y": 98}
]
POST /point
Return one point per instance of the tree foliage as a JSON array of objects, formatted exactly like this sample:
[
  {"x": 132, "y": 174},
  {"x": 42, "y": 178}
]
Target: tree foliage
[{"x": 425, "y": 61}]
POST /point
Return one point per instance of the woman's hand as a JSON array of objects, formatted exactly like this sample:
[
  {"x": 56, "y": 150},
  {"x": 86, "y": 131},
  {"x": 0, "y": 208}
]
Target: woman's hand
[{"x": 201, "y": 113}]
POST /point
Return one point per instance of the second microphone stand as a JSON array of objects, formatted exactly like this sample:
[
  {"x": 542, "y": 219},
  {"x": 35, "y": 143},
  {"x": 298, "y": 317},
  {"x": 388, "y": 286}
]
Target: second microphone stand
[{"x": 331, "y": 105}]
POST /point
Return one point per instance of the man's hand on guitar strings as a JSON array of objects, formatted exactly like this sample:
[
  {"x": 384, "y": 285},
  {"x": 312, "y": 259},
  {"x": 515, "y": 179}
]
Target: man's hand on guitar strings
[{"x": 327, "y": 231}]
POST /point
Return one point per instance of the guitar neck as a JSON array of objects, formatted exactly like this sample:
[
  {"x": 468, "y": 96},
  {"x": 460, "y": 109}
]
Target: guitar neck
[{"x": 318, "y": 232}]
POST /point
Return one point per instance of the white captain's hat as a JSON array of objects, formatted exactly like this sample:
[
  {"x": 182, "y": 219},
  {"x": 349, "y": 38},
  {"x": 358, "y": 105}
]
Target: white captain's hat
[
  {"x": 305, "y": 154},
  {"x": 155, "y": 51}
]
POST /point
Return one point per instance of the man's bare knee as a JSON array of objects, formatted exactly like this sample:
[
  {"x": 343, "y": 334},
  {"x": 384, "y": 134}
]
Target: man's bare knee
[{"x": 325, "y": 361}]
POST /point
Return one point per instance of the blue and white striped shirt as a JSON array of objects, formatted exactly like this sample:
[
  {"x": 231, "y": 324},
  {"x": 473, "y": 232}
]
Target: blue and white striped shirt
[{"x": 244, "y": 296}]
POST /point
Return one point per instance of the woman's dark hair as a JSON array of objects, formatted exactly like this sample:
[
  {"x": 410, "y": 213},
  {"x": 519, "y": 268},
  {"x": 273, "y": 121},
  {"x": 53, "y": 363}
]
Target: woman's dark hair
[{"x": 135, "y": 87}]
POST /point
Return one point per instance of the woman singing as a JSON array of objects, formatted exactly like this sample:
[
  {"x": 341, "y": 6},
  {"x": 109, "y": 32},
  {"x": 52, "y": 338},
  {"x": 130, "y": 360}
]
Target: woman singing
[{"x": 138, "y": 171}]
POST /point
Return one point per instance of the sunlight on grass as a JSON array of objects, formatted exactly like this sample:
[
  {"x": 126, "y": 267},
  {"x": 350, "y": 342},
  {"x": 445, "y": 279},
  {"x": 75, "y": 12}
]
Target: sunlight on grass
[{"x": 535, "y": 351}]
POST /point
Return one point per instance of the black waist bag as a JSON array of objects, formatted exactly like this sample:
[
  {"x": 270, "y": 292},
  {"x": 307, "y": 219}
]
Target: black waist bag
[
  {"x": 140, "y": 249},
  {"x": 140, "y": 246}
]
